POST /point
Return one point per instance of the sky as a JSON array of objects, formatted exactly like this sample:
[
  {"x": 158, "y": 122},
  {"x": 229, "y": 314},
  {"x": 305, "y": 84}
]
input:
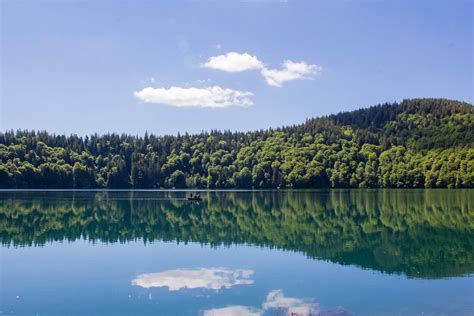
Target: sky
[{"x": 83, "y": 67}]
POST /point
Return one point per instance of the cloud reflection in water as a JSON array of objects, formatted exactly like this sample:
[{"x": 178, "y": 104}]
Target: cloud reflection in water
[
  {"x": 276, "y": 300},
  {"x": 234, "y": 310},
  {"x": 277, "y": 303},
  {"x": 206, "y": 278}
]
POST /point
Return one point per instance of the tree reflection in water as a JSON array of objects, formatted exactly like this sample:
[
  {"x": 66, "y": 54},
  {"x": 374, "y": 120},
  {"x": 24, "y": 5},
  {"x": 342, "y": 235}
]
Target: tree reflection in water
[{"x": 419, "y": 233}]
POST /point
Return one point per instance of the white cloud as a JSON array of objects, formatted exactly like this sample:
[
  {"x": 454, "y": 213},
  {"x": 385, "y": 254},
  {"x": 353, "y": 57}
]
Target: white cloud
[
  {"x": 234, "y": 310},
  {"x": 291, "y": 305},
  {"x": 237, "y": 62},
  {"x": 291, "y": 71},
  {"x": 212, "y": 97},
  {"x": 276, "y": 303},
  {"x": 211, "y": 278},
  {"x": 233, "y": 62}
]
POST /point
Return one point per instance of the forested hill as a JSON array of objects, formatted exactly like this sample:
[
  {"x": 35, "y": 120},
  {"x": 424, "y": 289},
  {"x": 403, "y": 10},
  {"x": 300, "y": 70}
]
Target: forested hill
[{"x": 417, "y": 143}]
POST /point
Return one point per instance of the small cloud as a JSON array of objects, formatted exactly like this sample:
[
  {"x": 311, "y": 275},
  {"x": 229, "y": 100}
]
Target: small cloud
[
  {"x": 218, "y": 46},
  {"x": 233, "y": 310},
  {"x": 211, "y": 97},
  {"x": 291, "y": 71},
  {"x": 152, "y": 80},
  {"x": 206, "y": 278},
  {"x": 233, "y": 62},
  {"x": 203, "y": 80}
]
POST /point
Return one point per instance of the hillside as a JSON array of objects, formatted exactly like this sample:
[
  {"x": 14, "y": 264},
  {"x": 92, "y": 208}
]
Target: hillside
[{"x": 417, "y": 143}]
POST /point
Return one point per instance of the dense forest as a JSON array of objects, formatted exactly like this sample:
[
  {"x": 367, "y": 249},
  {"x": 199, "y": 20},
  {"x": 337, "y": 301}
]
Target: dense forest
[
  {"x": 422, "y": 234},
  {"x": 413, "y": 144}
]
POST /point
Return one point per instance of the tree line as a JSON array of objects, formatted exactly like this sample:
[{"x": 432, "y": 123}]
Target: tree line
[{"x": 418, "y": 143}]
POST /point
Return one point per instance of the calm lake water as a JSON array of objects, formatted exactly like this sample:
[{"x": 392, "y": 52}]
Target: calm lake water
[{"x": 338, "y": 252}]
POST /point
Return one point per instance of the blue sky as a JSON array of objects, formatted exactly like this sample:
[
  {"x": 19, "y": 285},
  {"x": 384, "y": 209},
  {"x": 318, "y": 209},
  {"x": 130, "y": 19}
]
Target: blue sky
[{"x": 82, "y": 66}]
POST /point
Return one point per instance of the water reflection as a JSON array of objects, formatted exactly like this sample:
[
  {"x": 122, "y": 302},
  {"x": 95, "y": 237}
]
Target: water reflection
[
  {"x": 234, "y": 310},
  {"x": 276, "y": 300},
  {"x": 205, "y": 278},
  {"x": 277, "y": 303},
  {"x": 420, "y": 233}
]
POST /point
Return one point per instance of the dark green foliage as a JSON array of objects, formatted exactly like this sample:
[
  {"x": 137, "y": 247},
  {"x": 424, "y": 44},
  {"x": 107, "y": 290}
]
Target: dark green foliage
[{"x": 417, "y": 143}]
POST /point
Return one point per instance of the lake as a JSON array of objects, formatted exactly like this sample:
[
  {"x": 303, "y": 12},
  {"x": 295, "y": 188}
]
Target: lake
[{"x": 319, "y": 252}]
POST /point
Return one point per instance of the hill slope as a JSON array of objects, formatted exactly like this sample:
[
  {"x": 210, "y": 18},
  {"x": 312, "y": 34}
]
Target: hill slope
[{"x": 417, "y": 143}]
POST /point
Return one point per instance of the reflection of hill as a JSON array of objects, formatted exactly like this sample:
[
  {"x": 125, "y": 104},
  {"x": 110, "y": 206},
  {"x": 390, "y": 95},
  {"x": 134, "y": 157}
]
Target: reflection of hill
[{"x": 420, "y": 233}]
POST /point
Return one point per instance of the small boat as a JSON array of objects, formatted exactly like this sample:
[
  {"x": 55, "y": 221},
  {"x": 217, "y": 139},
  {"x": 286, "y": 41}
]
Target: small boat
[{"x": 194, "y": 197}]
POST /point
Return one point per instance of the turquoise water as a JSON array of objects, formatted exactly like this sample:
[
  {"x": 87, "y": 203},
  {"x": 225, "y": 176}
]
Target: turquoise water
[{"x": 338, "y": 252}]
